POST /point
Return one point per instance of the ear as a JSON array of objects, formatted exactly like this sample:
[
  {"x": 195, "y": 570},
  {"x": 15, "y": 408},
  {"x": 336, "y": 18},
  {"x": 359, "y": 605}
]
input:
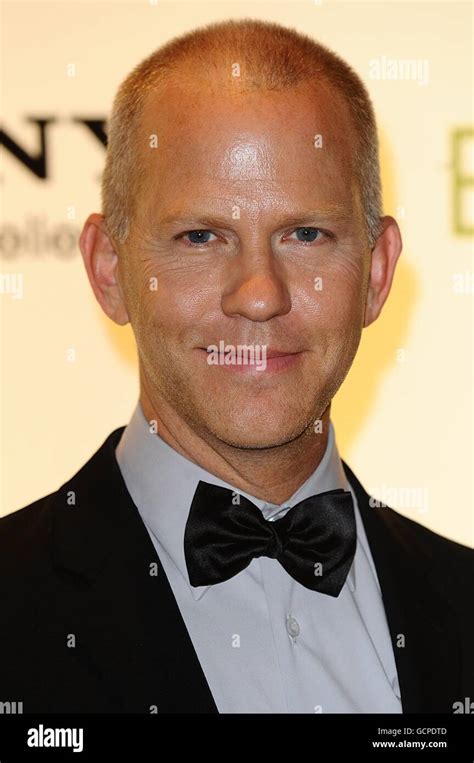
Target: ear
[
  {"x": 101, "y": 262},
  {"x": 385, "y": 255}
]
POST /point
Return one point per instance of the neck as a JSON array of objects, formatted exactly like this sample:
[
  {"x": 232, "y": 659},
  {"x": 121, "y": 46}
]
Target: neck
[{"x": 270, "y": 474}]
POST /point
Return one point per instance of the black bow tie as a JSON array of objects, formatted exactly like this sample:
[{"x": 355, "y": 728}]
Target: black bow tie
[{"x": 315, "y": 541}]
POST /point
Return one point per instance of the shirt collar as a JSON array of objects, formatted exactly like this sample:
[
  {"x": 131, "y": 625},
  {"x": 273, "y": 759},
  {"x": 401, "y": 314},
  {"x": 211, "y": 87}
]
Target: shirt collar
[{"x": 162, "y": 483}]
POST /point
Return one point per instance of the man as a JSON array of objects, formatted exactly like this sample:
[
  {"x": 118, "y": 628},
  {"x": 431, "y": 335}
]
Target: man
[{"x": 216, "y": 555}]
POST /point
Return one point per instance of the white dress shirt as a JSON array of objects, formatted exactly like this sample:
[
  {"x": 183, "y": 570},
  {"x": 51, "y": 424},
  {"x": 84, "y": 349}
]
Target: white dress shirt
[{"x": 266, "y": 643}]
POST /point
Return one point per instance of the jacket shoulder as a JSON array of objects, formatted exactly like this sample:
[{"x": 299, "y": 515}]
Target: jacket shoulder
[
  {"x": 447, "y": 563},
  {"x": 25, "y": 534},
  {"x": 431, "y": 545}
]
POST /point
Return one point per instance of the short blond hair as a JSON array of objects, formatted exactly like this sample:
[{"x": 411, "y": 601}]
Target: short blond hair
[{"x": 271, "y": 57}]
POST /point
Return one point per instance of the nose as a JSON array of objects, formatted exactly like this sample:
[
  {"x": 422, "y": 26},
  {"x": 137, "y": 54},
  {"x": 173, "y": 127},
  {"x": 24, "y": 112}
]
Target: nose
[{"x": 258, "y": 290}]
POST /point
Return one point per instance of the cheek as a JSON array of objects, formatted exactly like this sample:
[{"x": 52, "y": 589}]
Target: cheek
[
  {"x": 172, "y": 313},
  {"x": 333, "y": 300}
]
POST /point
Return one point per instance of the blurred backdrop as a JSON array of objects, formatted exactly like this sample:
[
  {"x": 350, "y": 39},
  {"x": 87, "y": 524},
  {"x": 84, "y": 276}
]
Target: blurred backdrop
[{"x": 403, "y": 417}]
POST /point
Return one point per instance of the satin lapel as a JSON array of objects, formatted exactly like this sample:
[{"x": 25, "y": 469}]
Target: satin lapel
[
  {"x": 423, "y": 628},
  {"x": 117, "y": 598}
]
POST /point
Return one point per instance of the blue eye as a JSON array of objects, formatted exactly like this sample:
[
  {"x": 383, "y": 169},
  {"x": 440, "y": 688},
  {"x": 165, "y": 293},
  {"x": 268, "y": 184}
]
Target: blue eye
[
  {"x": 198, "y": 236},
  {"x": 307, "y": 234}
]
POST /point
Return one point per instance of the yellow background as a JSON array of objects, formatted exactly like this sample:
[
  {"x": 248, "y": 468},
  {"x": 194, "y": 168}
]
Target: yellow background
[{"x": 403, "y": 417}]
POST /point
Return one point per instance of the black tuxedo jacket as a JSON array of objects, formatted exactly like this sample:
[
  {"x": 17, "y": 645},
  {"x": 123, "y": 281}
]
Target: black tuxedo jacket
[{"x": 85, "y": 627}]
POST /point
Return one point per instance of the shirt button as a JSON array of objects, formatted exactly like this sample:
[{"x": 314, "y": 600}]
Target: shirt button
[{"x": 292, "y": 626}]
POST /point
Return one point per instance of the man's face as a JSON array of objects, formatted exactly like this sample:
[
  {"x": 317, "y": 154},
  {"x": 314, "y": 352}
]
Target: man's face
[{"x": 281, "y": 262}]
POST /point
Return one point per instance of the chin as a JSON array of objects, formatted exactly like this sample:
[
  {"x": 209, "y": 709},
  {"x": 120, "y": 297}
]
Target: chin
[
  {"x": 256, "y": 443},
  {"x": 256, "y": 432}
]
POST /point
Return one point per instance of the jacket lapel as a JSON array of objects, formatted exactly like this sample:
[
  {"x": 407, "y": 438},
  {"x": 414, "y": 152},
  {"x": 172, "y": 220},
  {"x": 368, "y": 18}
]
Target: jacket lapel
[
  {"x": 117, "y": 599},
  {"x": 423, "y": 627}
]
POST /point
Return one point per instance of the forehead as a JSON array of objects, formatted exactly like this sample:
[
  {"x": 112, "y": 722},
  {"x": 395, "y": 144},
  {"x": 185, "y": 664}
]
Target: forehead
[{"x": 237, "y": 143}]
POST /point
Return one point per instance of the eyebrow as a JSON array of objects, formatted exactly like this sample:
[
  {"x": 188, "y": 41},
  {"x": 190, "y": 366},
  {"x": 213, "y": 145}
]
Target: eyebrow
[{"x": 336, "y": 212}]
